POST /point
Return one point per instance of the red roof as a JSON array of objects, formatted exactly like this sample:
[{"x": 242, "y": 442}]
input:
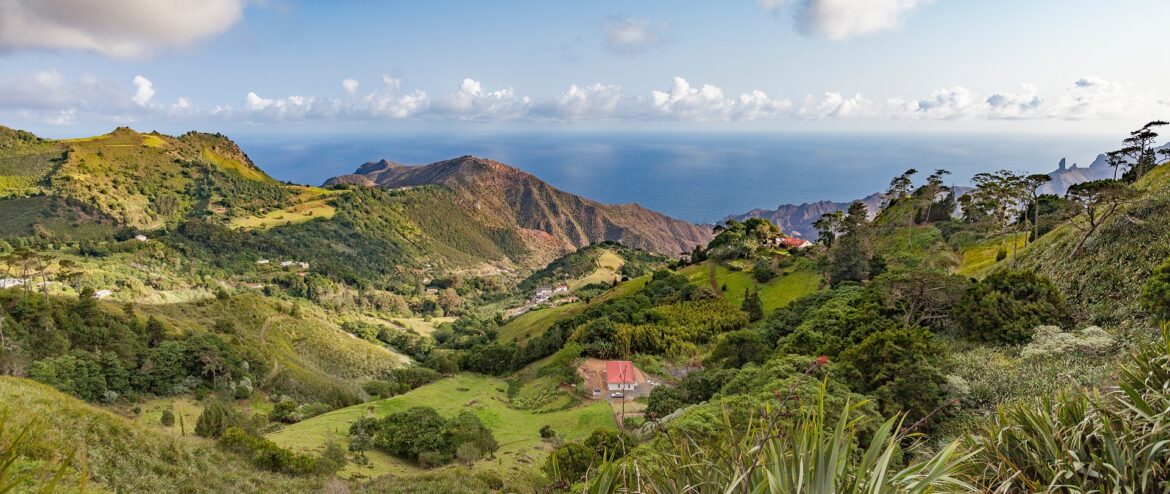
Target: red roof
[
  {"x": 793, "y": 242},
  {"x": 619, "y": 372}
]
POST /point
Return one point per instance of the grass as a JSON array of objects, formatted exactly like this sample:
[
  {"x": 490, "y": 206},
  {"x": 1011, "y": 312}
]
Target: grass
[
  {"x": 291, "y": 215},
  {"x": 978, "y": 259},
  {"x": 117, "y": 455},
  {"x": 609, "y": 265},
  {"x": 422, "y": 325},
  {"x": 150, "y": 415},
  {"x": 776, "y": 293},
  {"x": 310, "y": 348},
  {"x": 536, "y": 322},
  {"x": 517, "y": 431}
]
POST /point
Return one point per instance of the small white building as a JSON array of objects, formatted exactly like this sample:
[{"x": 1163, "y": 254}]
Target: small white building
[
  {"x": 619, "y": 375},
  {"x": 561, "y": 288},
  {"x": 11, "y": 282},
  {"x": 543, "y": 292},
  {"x": 285, "y": 264},
  {"x": 262, "y": 262},
  {"x": 140, "y": 237},
  {"x": 303, "y": 265},
  {"x": 100, "y": 294}
]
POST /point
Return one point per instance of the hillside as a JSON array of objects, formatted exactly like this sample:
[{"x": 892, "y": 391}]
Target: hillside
[
  {"x": 512, "y": 198},
  {"x": 111, "y": 453}
]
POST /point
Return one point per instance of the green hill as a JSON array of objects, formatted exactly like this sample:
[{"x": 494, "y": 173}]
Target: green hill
[{"x": 112, "y": 454}]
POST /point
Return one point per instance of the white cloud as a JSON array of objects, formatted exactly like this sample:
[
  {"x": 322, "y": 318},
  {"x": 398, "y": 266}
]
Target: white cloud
[
  {"x": 592, "y": 102},
  {"x": 115, "y": 28},
  {"x": 946, "y": 104},
  {"x": 626, "y": 36},
  {"x": 143, "y": 90},
  {"x": 350, "y": 86},
  {"x": 843, "y": 19},
  {"x": 472, "y": 102},
  {"x": 834, "y": 105},
  {"x": 708, "y": 103},
  {"x": 393, "y": 105},
  {"x": 1027, "y": 103}
]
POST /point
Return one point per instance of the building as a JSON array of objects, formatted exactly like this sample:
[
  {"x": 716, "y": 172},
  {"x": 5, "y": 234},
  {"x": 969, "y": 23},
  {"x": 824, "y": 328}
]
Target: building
[
  {"x": 561, "y": 288},
  {"x": 10, "y": 282},
  {"x": 619, "y": 375},
  {"x": 794, "y": 243},
  {"x": 543, "y": 293},
  {"x": 100, "y": 294},
  {"x": 262, "y": 261},
  {"x": 140, "y": 238},
  {"x": 285, "y": 264}
]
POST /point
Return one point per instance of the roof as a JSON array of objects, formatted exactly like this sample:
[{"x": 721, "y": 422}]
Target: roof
[
  {"x": 619, "y": 372},
  {"x": 793, "y": 242}
]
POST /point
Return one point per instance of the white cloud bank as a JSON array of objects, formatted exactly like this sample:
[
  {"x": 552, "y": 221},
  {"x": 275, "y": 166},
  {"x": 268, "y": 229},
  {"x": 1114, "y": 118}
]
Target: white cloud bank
[
  {"x": 51, "y": 97},
  {"x": 843, "y": 19},
  {"x": 115, "y": 28}
]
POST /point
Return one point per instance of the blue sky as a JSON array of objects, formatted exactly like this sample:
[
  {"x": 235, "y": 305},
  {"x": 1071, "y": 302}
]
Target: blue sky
[{"x": 75, "y": 67}]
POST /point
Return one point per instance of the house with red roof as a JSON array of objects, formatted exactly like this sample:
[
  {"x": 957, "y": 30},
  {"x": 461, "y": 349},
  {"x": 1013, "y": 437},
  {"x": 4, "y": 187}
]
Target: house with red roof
[
  {"x": 794, "y": 243},
  {"x": 619, "y": 375}
]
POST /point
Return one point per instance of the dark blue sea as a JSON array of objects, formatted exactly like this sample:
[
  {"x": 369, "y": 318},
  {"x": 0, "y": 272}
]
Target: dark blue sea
[{"x": 693, "y": 176}]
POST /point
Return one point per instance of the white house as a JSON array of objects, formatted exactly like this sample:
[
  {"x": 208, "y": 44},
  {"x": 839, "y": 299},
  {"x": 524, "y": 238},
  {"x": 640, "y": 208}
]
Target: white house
[
  {"x": 11, "y": 282},
  {"x": 140, "y": 238},
  {"x": 285, "y": 264},
  {"x": 100, "y": 294},
  {"x": 619, "y": 375},
  {"x": 262, "y": 261},
  {"x": 561, "y": 288}
]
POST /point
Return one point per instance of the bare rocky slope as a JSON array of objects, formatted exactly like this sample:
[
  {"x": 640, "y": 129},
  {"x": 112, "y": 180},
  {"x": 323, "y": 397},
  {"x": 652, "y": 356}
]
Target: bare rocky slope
[{"x": 557, "y": 219}]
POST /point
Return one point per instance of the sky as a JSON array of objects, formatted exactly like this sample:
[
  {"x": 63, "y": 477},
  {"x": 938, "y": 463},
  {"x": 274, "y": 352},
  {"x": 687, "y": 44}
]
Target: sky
[{"x": 80, "y": 67}]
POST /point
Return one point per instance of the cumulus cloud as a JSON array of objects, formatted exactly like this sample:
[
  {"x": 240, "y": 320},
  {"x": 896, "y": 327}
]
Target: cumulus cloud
[
  {"x": 709, "y": 103},
  {"x": 350, "y": 86},
  {"x": 115, "y": 28},
  {"x": 143, "y": 90},
  {"x": 52, "y": 97},
  {"x": 391, "y": 82},
  {"x": 473, "y": 102},
  {"x": 625, "y": 36},
  {"x": 843, "y": 19},
  {"x": 592, "y": 102}
]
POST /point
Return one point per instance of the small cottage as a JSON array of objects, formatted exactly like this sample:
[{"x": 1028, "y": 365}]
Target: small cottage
[{"x": 619, "y": 375}]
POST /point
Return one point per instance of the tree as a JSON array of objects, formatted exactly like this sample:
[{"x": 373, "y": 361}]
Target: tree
[
  {"x": 762, "y": 270},
  {"x": 829, "y": 226},
  {"x": 849, "y": 257},
  {"x": 934, "y": 186},
  {"x": 1140, "y": 147},
  {"x": 739, "y": 348},
  {"x": 752, "y": 305},
  {"x": 900, "y": 187},
  {"x": 1096, "y": 201},
  {"x": 1031, "y": 187},
  {"x": 215, "y": 419},
  {"x": 899, "y": 366},
  {"x": 168, "y": 418},
  {"x": 1116, "y": 160},
  {"x": 411, "y": 433}
]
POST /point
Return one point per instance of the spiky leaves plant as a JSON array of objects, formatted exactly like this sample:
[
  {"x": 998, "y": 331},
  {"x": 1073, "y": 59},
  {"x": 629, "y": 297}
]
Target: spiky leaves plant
[{"x": 790, "y": 453}]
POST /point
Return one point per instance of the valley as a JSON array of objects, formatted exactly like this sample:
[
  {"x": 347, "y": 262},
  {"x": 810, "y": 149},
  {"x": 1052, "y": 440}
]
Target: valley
[{"x": 460, "y": 323}]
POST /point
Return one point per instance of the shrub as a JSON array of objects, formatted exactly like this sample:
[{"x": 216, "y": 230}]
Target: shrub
[
  {"x": 547, "y": 432},
  {"x": 1050, "y": 340},
  {"x": 762, "y": 271},
  {"x": 1156, "y": 293},
  {"x": 216, "y": 418},
  {"x": 267, "y": 455},
  {"x": 168, "y": 418},
  {"x": 1005, "y": 306}
]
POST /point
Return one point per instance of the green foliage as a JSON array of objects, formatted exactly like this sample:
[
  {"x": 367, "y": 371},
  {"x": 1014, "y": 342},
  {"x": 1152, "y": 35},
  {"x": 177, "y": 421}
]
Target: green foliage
[
  {"x": 752, "y": 305},
  {"x": 743, "y": 240},
  {"x": 899, "y": 367},
  {"x": 738, "y": 348},
  {"x": 1005, "y": 306},
  {"x": 216, "y": 418},
  {"x": 763, "y": 271},
  {"x": 167, "y": 419},
  {"x": 1156, "y": 293},
  {"x": 266, "y": 455},
  {"x": 1051, "y": 341},
  {"x": 420, "y": 434},
  {"x": 1082, "y": 440},
  {"x": 808, "y": 454}
]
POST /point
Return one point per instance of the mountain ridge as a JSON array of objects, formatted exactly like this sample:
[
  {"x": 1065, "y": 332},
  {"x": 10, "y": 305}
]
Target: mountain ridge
[{"x": 526, "y": 202}]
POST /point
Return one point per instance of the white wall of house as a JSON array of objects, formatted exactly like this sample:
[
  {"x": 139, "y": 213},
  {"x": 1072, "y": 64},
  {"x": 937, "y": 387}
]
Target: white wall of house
[{"x": 622, "y": 387}]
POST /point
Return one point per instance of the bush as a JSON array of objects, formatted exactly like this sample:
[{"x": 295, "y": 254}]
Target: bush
[
  {"x": 762, "y": 271},
  {"x": 1050, "y": 341},
  {"x": 168, "y": 418},
  {"x": 216, "y": 418},
  {"x": 1005, "y": 306},
  {"x": 547, "y": 432},
  {"x": 421, "y": 435},
  {"x": 266, "y": 455}
]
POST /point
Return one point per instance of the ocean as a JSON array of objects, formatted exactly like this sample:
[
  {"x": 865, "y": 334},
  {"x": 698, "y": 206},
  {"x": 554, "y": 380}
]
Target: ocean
[{"x": 700, "y": 177}]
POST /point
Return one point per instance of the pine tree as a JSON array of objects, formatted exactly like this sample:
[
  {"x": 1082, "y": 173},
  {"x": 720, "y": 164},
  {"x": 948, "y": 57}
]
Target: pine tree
[{"x": 752, "y": 305}]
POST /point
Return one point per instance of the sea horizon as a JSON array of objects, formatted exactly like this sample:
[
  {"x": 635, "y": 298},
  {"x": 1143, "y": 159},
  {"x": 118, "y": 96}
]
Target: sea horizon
[{"x": 696, "y": 176}]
